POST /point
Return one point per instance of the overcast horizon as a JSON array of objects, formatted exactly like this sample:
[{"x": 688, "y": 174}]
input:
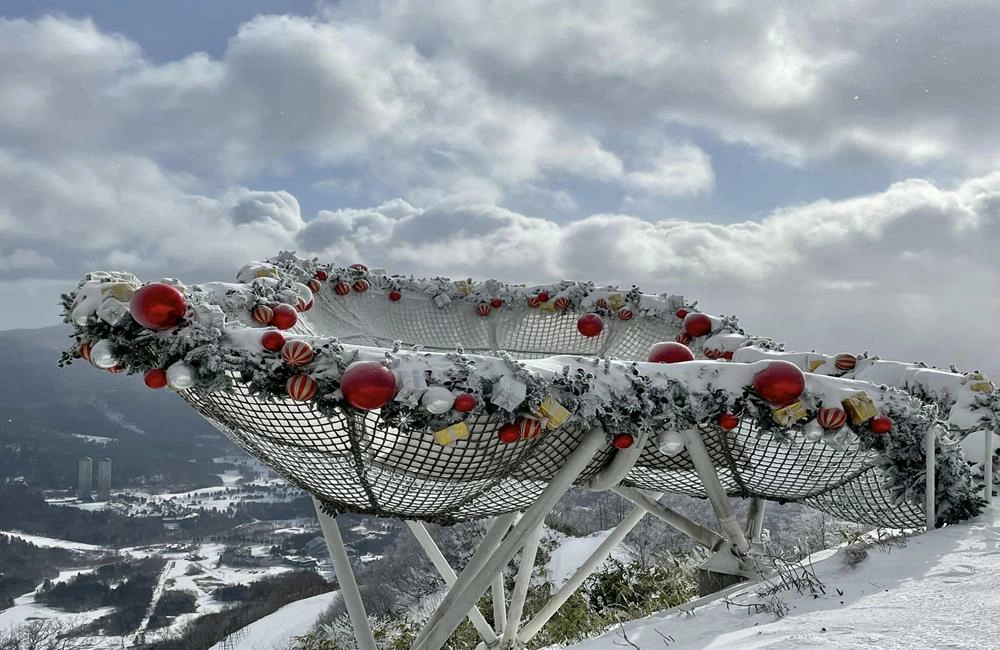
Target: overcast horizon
[{"x": 827, "y": 173}]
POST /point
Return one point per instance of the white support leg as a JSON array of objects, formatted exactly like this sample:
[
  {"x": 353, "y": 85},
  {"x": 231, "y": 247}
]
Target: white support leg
[
  {"x": 484, "y": 565},
  {"x": 521, "y": 584},
  {"x": 707, "y": 538},
  {"x": 717, "y": 496},
  {"x": 755, "y": 519},
  {"x": 441, "y": 564},
  {"x": 534, "y": 626},
  {"x": 345, "y": 577},
  {"x": 929, "y": 496},
  {"x": 988, "y": 465}
]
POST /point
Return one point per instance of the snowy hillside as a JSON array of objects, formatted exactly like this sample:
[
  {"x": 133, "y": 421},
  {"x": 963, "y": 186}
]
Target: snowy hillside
[{"x": 941, "y": 589}]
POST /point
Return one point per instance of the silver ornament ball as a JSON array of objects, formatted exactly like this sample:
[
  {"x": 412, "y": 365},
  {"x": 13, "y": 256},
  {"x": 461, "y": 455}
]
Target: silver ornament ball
[
  {"x": 100, "y": 355},
  {"x": 437, "y": 400},
  {"x": 180, "y": 375},
  {"x": 670, "y": 443}
]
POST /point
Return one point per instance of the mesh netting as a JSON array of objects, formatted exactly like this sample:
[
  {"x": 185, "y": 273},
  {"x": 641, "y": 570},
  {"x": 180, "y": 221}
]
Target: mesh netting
[{"x": 355, "y": 461}]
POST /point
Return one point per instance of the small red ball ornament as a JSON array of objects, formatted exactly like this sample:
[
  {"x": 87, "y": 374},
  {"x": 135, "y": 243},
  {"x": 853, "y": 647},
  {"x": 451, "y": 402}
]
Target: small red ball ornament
[
  {"x": 360, "y": 286},
  {"x": 623, "y": 440},
  {"x": 496, "y": 303},
  {"x": 301, "y": 388},
  {"x": 728, "y": 421},
  {"x": 543, "y": 296},
  {"x": 322, "y": 275},
  {"x": 155, "y": 378},
  {"x": 483, "y": 309},
  {"x": 831, "y": 418},
  {"x": 284, "y": 316},
  {"x": 368, "y": 385},
  {"x": 341, "y": 288},
  {"x": 780, "y": 383},
  {"x": 157, "y": 306},
  {"x": 590, "y": 325},
  {"x": 625, "y": 313},
  {"x": 509, "y": 433},
  {"x": 262, "y": 314},
  {"x": 881, "y": 424},
  {"x": 681, "y": 313},
  {"x": 562, "y": 302},
  {"x": 314, "y": 285},
  {"x": 297, "y": 353},
  {"x": 273, "y": 340},
  {"x": 697, "y": 325},
  {"x": 669, "y": 352},
  {"x": 464, "y": 402},
  {"x": 395, "y": 295}
]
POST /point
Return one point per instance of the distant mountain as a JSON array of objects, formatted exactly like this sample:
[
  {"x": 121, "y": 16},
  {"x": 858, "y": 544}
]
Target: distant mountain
[{"x": 51, "y": 415}]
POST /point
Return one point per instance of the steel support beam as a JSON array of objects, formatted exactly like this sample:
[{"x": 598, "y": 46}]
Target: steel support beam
[
  {"x": 521, "y": 584},
  {"x": 755, "y": 519},
  {"x": 988, "y": 465},
  {"x": 930, "y": 469},
  {"x": 703, "y": 536},
  {"x": 731, "y": 529}
]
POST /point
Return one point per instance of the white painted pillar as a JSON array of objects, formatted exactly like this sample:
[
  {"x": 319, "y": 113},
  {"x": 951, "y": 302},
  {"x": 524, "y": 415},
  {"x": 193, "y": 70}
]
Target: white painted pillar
[
  {"x": 707, "y": 538},
  {"x": 521, "y": 584},
  {"x": 716, "y": 494},
  {"x": 931, "y": 467},
  {"x": 988, "y": 465}
]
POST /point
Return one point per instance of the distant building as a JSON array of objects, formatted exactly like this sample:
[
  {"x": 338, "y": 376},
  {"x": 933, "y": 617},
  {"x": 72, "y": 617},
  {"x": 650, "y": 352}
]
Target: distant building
[
  {"x": 104, "y": 479},
  {"x": 86, "y": 479},
  {"x": 245, "y": 557}
]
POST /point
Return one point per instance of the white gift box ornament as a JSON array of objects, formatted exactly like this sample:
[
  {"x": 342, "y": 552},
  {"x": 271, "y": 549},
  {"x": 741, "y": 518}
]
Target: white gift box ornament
[
  {"x": 508, "y": 393},
  {"x": 112, "y": 311},
  {"x": 412, "y": 383},
  {"x": 442, "y": 300},
  {"x": 210, "y": 315}
]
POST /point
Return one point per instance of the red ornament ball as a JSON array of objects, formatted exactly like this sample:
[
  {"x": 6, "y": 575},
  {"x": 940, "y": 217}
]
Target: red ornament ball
[
  {"x": 697, "y": 325},
  {"x": 590, "y": 325},
  {"x": 681, "y": 313},
  {"x": 84, "y": 350},
  {"x": 322, "y": 275},
  {"x": 509, "y": 433},
  {"x": 262, "y": 314},
  {"x": 622, "y": 440},
  {"x": 157, "y": 306},
  {"x": 845, "y": 362},
  {"x": 831, "y": 418},
  {"x": 368, "y": 385},
  {"x": 669, "y": 352},
  {"x": 529, "y": 428},
  {"x": 465, "y": 402},
  {"x": 303, "y": 305},
  {"x": 359, "y": 267},
  {"x": 155, "y": 378},
  {"x": 728, "y": 421},
  {"x": 297, "y": 353},
  {"x": 314, "y": 285},
  {"x": 342, "y": 288},
  {"x": 880, "y": 424},
  {"x": 301, "y": 388},
  {"x": 273, "y": 340},
  {"x": 562, "y": 302},
  {"x": 625, "y": 313},
  {"x": 483, "y": 309},
  {"x": 727, "y": 355},
  {"x": 543, "y": 296},
  {"x": 496, "y": 303},
  {"x": 116, "y": 369},
  {"x": 395, "y": 295},
  {"x": 361, "y": 286},
  {"x": 284, "y": 316},
  {"x": 780, "y": 383}
]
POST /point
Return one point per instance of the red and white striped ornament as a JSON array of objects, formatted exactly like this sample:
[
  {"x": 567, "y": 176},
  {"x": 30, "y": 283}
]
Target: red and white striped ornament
[
  {"x": 301, "y": 388},
  {"x": 625, "y": 313},
  {"x": 712, "y": 354},
  {"x": 297, "y": 353},
  {"x": 342, "y": 288},
  {"x": 683, "y": 337},
  {"x": 483, "y": 309},
  {"x": 831, "y": 418},
  {"x": 533, "y": 301},
  {"x": 314, "y": 285},
  {"x": 845, "y": 362},
  {"x": 601, "y": 303},
  {"x": 84, "y": 350},
  {"x": 116, "y": 369},
  {"x": 361, "y": 285},
  {"x": 529, "y": 428},
  {"x": 303, "y": 305},
  {"x": 321, "y": 275},
  {"x": 562, "y": 302},
  {"x": 359, "y": 267},
  {"x": 262, "y": 314}
]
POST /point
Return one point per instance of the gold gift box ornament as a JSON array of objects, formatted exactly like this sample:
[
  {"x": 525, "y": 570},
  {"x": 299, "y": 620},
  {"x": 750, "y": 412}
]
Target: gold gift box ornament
[
  {"x": 978, "y": 383},
  {"x": 860, "y": 408},
  {"x": 789, "y": 415},
  {"x": 615, "y": 301},
  {"x": 448, "y": 435},
  {"x": 553, "y": 413},
  {"x": 464, "y": 286}
]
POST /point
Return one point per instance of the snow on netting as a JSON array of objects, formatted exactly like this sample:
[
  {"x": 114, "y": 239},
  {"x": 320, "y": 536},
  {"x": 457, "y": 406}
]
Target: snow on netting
[{"x": 356, "y": 462}]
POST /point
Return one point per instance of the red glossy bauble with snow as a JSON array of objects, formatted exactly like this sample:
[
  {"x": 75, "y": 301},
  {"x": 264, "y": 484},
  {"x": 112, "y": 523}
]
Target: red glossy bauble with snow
[
  {"x": 509, "y": 433},
  {"x": 623, "y": 440},
  {"x": 157, "y": 306},
  {"x": 297, "y": 353},
  {"x": 301, "y": 388},
  {"x": 880, "y": 424},
  {"x": 464, "y": 402},
  {"x": 681, "y": 313},
  {"x": 590, "y": 325},
  {"x": 543, "y": 296},
  {"x": 368, "y": 385},
  {"x": 728, "y": 421},
  {"x": 496, "y": 303},
  {"x": 341, "y": 288},
  {"x": 272, "y": 340},
  {"x": 780, "y": 383},
  {"x": 483, "y": 309},
  {"x": 322, "y": 275},
  {"x": 831, "y": 418},
  {"x": 669, "y": 352},
  {"x": 155, "y": 378},
  {"x": 697, "y": 325},
  {"x": 284, "y": 316},
  {"x": 395, "y": 295}
]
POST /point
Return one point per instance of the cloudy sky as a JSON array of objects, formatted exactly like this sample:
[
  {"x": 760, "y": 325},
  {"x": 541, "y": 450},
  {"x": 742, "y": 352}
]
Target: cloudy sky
[{"x": 827, "y": 171}]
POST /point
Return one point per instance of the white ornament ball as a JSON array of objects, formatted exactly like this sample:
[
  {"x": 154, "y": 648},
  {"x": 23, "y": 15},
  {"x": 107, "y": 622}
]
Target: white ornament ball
[
  {"x": 670, "y": 443},
  {"x": 813, "y": 432},
  {"x": 437, "y": 400},
  {"x": 180, "y": 375},
  {"x": 100, "y": 355}
]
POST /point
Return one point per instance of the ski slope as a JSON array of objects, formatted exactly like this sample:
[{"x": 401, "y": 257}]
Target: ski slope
[
  {"x": 941, "y": 589},
  {"x": 275, "y": 631}
]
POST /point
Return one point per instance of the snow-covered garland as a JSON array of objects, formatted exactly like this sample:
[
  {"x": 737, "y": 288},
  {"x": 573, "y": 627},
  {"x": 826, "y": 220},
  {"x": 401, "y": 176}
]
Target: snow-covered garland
[{"x": 192, "y": 337}]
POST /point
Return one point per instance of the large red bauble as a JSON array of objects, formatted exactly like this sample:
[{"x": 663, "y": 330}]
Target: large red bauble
[
  {"x": 157, "y": 306},
  {"x": 509, "y": 433},
  {"x": 880, "y": 424},
  {"x": 697, "y": 325},
  {"x": 590, "y": 325},
  {"x": 780, "y": 383},
  {"x": 728, "y": 421},
  {"x": 155, "y": 378},
  {"x": 669, "y": 352},
  {"x": 622, "y": 440},
  {"x": 273, "y": 340},
  {"x": 368, "y": 385},
  {"x": 465, "y": 402},
  {"x": 284, "y": 316}
]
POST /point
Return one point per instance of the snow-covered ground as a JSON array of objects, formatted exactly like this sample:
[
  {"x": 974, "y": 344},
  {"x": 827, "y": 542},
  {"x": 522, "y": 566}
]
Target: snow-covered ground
[
  {"x": 50, "y": 542},
  {"x": 573, "y": 551},
  {"x": 940, "y": 590},
  {"x": 275, "y": 631}
]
